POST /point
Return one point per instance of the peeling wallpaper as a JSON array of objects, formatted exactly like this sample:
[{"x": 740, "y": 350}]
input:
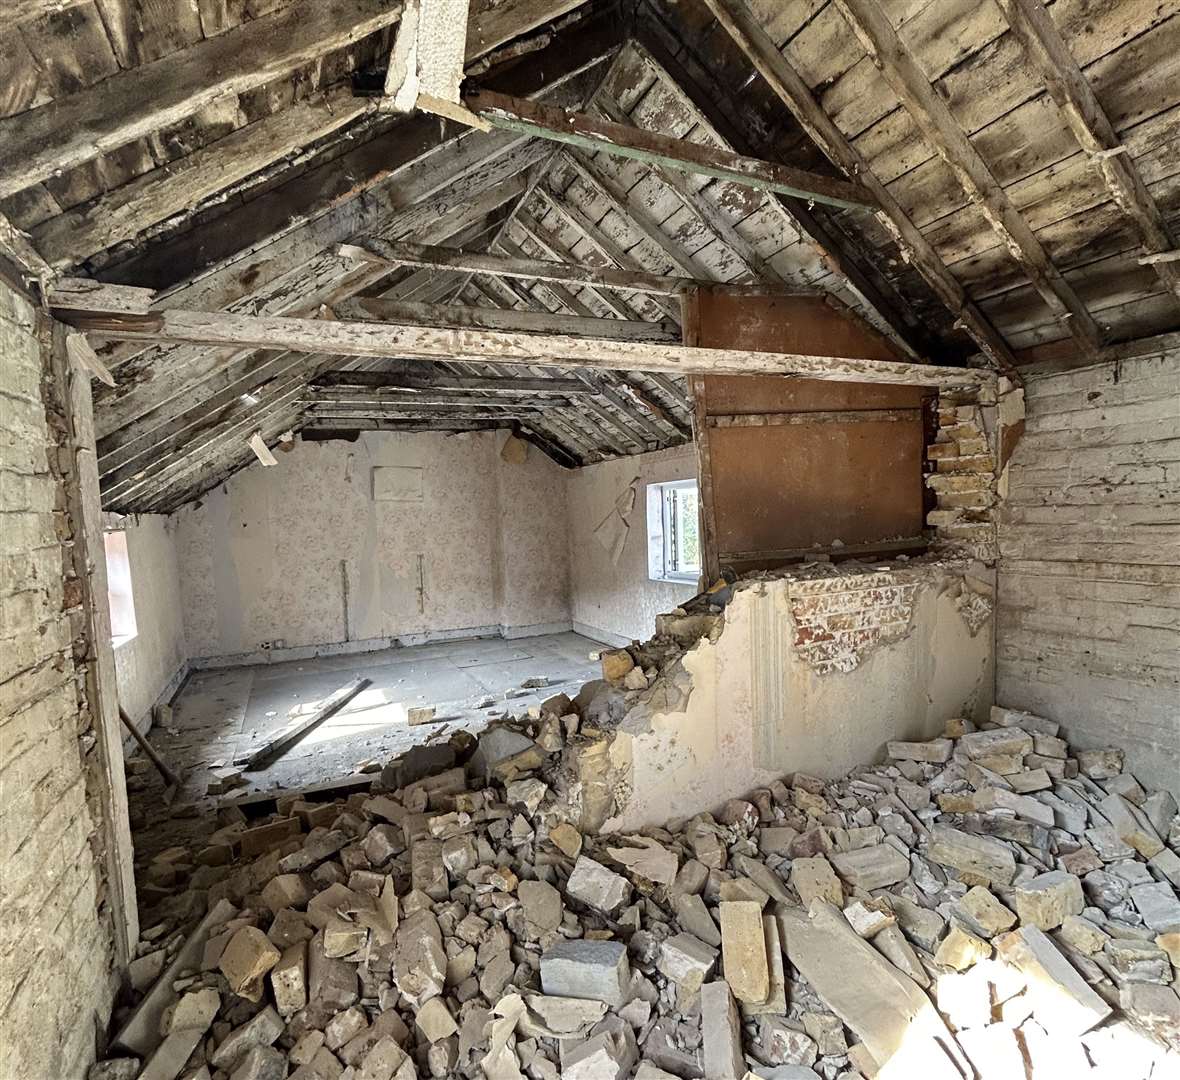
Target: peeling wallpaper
[
  {"x": 151, "y": 662},
  {"x": 302, "y": 554},
  {"x": 618, "y": 602}
]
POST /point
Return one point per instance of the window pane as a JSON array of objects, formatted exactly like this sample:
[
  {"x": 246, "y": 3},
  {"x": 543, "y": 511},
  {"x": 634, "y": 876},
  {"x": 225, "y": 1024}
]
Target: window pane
[
  {"x": 688, "y": 548},
  {"x": 122, "y": 603}
]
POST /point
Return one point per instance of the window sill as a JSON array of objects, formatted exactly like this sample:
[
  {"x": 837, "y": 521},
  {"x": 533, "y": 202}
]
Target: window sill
[{"x": 677, "y": 579}]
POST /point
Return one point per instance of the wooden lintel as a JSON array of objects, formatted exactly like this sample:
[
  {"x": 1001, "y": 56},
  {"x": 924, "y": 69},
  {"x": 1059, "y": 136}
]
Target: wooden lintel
[
  {"x": 372, "y": 249},
  {"x": 408, "y": 312},
  {"x": 223, "y": 329},
  {"x": 592, "y": 134},
  {"x": 830, "y": 416}
]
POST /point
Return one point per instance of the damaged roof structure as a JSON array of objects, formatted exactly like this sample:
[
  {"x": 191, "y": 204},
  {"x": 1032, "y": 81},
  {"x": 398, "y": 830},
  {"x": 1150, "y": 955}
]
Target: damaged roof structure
[
  {"x": 987, "y": 184},
  {"x": 589, "y": 539}
]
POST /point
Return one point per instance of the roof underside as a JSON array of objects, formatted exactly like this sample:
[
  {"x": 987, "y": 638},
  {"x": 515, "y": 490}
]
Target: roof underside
[{"x": 239, "y": 200}]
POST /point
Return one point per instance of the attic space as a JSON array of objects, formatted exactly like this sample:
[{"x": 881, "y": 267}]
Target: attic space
[{"x": 589, "y": 539}]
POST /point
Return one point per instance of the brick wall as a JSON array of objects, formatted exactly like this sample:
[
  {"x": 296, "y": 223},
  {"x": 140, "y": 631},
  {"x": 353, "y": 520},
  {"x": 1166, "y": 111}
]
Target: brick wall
[
  {"x": 963, "y": 476},
  {"x": 56, "y": 938}
]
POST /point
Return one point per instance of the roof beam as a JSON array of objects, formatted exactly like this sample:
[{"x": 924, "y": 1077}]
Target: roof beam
[
  {"x": 1071, "y": 91},
  {"x": 457, "y": 315},
  {"x": 940, "y": 128},
  {"x": 739, "y": 22},
  {"x": 637, "y": 217},
  {"x": 396, "y": 398},
  {"x": 219, "y": 329},
  {"x": 437, "y": 379},
  {"x": 372, "y": 249},
  {"x": 592, "y": 134},
  {"x": 124, "y": 212},
  {"x": 66, "y": 133},
  {"x": 840, "y": 251},
  {"x": 606, "y": 245}
]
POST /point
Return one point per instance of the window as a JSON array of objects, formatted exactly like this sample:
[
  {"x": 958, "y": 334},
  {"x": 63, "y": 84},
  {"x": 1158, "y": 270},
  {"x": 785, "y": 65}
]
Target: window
[
  {"x": 122, "y": 603},
  {"x": 673, "y": 531}
]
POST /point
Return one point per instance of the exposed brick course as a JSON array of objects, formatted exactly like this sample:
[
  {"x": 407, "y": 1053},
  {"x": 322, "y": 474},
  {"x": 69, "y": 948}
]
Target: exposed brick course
[{"x": 56, "y": 945}]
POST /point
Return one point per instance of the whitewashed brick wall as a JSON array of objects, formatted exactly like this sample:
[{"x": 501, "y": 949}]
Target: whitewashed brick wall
[{"x": 56, "y": 949}]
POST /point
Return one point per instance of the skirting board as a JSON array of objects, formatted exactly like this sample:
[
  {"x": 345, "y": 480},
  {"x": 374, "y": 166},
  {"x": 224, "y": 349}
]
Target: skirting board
[
  {"x": 377, "y": 644},
  {"x": 607, "y": 637}
]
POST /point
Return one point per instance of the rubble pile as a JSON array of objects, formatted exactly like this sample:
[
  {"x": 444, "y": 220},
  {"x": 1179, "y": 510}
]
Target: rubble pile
[{"x": 986, "y": 903}]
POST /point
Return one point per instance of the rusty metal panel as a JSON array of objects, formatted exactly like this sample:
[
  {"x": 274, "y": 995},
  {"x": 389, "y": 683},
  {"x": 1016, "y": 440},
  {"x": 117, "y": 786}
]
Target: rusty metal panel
[{"x": 791, "y": 465}]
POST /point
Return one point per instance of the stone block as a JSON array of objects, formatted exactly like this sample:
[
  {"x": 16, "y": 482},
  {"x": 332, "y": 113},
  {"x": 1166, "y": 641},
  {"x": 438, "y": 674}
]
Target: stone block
[
  {"x": 813, "y": 878},
  {"x": 428, "y": 872},
  {"x": 1166, "y": 863},
  {"x": 743, "y": 951},
  {"x": 694, "y": 918},
  {"x": 960, "y": 950},
  {"x": 891, "y": 943},
  {"x": 246, "y": 960},
  {"x": 597, "y": 887},
  {"x": 1131, "y": 825},
  {"x": 343, "y": 937},
  {"x": 686, "y": 960},
  {"x": 261, "y": 1063},
  {"x": 331, "y": 983},
  {"x": 1030, "y": 780},
  {"x": 597, "y": 970},
  {"x": 1157, "y": 906},
  {"x": 971, "y": 854},
  {"x": 936, "y": 750},
  {"x": 1160, "y": 809},
  {"x": 1138, "y": 961},
  {"x": 615, "y": 664},
  {"x": 261, "y": 1030},
  {"x": 873, "y": 867},
  {"x": 1035, "y": 725},
  {"x": 1047, "y": 899},
  {"x": 983, "y": 913},
  {"x": 721, "y": 1033},
  {"x": 827, "y": 1031},
  {"x": 1008, "y": 742},
  {"x": 1081, "y": 934},
  {"x": 1100, "y": 764},
  {"x": 869, "y": 917},
  {"x": 288, "y": 980},
  {"x": 435, "y": 1021},
  {"x": 1063, "y": 1002},
  {"x": 608, "y": 1055},
  {"x": 344, "y": 1027},
  {"x": 288, "y": 891}
]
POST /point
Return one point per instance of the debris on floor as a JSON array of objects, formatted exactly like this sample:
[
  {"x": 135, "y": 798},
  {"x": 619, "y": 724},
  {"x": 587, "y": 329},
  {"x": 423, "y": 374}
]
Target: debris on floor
[{"x": 984, "y": 904}]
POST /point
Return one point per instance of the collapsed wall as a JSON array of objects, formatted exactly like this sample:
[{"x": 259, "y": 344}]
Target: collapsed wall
[{"x": 724, "y": 702}]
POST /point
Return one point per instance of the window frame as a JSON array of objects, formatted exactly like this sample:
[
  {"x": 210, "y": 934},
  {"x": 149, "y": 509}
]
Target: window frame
[{"x": 661, "y": 535}]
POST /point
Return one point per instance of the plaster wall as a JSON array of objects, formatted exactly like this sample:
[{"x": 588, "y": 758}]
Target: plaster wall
[
  {"x": 618, "y": 602},
  {"x": 443, "y": 538},
  {"x": 152, "y": 664},
  {"x": 790, "y": 685}
]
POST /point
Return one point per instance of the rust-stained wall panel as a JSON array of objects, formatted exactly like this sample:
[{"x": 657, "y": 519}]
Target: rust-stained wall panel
[{"x": 793, "y": 464}]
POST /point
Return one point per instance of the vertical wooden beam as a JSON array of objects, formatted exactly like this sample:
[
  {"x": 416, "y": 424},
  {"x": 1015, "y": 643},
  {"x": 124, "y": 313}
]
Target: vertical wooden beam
[
  {"x": 84, "y": 513},
  {"x": 937, "y": 123},
  {"x": 1070, "y": 90}
]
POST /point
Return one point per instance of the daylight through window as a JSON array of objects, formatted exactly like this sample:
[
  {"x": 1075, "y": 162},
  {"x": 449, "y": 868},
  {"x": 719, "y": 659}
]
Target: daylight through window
[
  {"x": 122, "y": 603},
  {"x": 674, "y": 547}
]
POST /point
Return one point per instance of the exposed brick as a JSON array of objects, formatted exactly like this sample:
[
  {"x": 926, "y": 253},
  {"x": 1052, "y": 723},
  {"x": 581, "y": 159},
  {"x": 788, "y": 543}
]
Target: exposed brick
[{"x": 56, "y": 948}]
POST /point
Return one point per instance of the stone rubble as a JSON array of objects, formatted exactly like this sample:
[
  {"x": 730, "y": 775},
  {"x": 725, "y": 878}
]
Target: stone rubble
[{"x": 981, "y": 900}]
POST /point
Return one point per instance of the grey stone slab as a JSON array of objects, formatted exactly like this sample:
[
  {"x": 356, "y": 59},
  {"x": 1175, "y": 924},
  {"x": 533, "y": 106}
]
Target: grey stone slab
[{"x": 597, "y": 970}]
